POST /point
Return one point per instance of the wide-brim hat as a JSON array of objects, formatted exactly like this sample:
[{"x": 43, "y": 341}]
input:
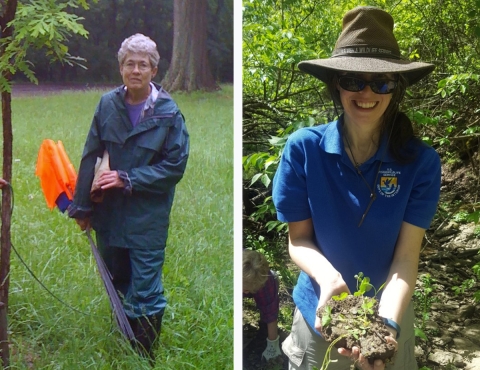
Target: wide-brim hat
[{"x": 366, "y": 45}]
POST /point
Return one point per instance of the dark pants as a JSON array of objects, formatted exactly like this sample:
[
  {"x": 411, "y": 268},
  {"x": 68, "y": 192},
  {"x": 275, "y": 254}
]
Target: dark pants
[{"x": 137, "y": 276}]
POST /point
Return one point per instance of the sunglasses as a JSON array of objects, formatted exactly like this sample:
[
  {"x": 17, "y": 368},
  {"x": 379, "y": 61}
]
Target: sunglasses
[{"x": 355, "y": 84}]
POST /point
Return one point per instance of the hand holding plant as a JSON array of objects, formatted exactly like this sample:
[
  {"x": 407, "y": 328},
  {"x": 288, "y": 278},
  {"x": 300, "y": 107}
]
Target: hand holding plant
[
  {"x": 333, "y": 288},
  {"x": 352, "y": 324}
]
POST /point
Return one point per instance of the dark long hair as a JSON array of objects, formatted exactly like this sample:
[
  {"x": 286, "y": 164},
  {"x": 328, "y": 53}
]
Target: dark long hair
[{"x": 402, "y": 143}]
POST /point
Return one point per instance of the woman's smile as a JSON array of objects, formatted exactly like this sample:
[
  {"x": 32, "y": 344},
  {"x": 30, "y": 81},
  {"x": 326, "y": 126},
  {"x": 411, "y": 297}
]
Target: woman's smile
[{"x": 365, "y": 105}]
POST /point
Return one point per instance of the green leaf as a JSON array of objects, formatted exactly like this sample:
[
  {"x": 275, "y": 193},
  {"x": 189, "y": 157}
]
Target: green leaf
[
  {"x": 420, "y": 334},
  {"x": 255, "y": 178},
  {"x": 326, "y": 316},
  {"x": 326, "y": 320},
  {"x": 265, "y": 180},
  {"x": 340, "y": 297}
]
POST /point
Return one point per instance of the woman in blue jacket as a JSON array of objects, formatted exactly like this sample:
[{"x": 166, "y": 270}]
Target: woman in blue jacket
[
  {"x": 358, "y": 193},
  {"x": 140, "y": 132}
]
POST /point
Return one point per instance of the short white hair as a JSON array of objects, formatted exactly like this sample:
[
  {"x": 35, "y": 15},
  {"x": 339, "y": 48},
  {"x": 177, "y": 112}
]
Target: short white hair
[{"x": 139, "y": 43}]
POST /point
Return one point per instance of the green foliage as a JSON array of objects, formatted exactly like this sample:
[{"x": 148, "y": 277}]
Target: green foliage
[
  {"x": 340, "y": 297},
  {"x": 423, "y": 298},
  {"x": 420, "y": 334},
  {"x": 457, "y": 83},
  {"x": 364, "y": 286},
  {"x": 41, "y": 24},
  {"x": 366, "y": 309},
  {"x": 361, "y": 323},
  {"x": 327, "y": 316},
  {"x": 466, "y": 285},
  {"x": 277, "y": 35},
  {"x": 461, "y": 216},
  {"x": 47, "y": 335},
  {"x": 469, "y": 284},
  {"x": 110, "y": 22}
]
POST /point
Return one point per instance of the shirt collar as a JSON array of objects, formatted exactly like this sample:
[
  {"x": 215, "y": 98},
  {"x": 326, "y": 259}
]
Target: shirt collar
[
  {"x": 150, "y": 102},
  {"x": 332, "y": 143}
]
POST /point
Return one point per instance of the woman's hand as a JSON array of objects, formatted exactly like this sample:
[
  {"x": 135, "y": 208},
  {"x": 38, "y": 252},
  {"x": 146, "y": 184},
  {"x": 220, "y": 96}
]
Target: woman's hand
[
  {"x": 334, "y": 285},
  {"x": 362, "y": 362},
  {"x": 84, "y": 223},
  {"x": 109, "y": 179}
]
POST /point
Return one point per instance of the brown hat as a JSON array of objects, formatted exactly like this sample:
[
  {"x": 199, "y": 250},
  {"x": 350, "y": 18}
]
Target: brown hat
[{"x": 366, "y": 45}]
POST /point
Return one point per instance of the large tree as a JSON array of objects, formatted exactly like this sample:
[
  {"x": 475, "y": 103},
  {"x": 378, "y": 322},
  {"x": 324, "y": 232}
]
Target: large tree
[
  {"x": 190, "y": 68},
  {"x": 41, "y": 24}
]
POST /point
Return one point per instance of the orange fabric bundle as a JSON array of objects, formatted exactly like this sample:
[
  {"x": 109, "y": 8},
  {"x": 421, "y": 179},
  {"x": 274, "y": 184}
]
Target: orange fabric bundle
[{"x": 56, "y": 172}]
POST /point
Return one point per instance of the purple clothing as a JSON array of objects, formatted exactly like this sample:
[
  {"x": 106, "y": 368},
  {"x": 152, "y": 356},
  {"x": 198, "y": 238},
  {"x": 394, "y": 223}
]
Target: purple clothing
[
  {"x": 135, "y": 112},
  {"x": 267, "y": 299}
]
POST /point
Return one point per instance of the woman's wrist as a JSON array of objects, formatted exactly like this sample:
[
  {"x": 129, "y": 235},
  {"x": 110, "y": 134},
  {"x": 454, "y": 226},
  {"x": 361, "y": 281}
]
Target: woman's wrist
[{"x": 393, "y": 327}]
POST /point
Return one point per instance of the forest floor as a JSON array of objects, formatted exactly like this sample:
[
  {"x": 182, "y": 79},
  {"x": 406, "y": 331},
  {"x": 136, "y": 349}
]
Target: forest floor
[{"x": 450, "y": 318}]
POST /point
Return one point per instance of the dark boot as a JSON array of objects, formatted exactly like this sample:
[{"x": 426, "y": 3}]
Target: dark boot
[
  {"x": 133, "y": 325},
  {"x": 146, "y": 330}
]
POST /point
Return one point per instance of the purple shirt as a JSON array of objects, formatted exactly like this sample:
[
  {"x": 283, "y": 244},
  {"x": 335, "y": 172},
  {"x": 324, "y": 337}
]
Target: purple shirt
[
  {"x": 134, "y": 112},
  {"x": 267, "y": 299}
]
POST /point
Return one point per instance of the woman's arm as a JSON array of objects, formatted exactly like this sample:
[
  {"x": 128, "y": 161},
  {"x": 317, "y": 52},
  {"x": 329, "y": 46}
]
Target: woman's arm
[
  {"x": 399, "y": 287},
  {"x": 160, "y": 177},
  {"x": 402, "y": 277},
  {"x": 308, "y": 257}
]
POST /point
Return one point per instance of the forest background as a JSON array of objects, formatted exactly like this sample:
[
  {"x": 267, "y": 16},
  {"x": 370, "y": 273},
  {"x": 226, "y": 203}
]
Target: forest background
[
  {"x": 445, "y": 109},
  {"x": 109, "y": 22}
]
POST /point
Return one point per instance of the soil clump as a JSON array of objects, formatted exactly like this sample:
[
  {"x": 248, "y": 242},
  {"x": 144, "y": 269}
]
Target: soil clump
[{"x": 354, "y": 321}]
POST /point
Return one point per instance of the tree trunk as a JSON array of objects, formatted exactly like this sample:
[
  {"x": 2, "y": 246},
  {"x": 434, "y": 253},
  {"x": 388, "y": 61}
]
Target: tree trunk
[
  {"x": 5, "y": 240},
  {"x": 189, "y": 69}
]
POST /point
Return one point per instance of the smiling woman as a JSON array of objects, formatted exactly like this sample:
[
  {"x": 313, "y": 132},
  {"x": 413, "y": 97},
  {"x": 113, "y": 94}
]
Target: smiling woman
[{"x": 358, "y": 193}]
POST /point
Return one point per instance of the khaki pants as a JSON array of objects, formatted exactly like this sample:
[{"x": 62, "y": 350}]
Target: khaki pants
[{"x": 306, "y": 349}]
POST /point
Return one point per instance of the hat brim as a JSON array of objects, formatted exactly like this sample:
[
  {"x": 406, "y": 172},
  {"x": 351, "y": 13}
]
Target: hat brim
[{"x": 324, "y": 68}]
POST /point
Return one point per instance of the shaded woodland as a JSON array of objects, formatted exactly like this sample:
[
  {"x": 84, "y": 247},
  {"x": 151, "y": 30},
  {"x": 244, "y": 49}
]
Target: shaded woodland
[{"x": 109, "y": 22}]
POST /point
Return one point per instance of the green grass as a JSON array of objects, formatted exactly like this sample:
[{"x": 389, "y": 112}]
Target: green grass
[{"x": 197, "y": 330}]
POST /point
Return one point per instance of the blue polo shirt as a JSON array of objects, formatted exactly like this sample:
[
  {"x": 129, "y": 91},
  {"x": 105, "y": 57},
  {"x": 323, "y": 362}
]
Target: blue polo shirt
[{"x": 317, "y": 180}]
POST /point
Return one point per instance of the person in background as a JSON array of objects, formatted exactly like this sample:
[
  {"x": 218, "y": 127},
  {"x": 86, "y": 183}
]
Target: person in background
[
  {"x": 138, "y": 136},
  {"x": 261, "y": 284},
  {"x": 358, "y": 193},
  {"x": 2, "y": 183}
]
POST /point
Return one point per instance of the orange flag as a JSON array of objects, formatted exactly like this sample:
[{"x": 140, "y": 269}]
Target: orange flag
[{"x": 57, "y": 174}]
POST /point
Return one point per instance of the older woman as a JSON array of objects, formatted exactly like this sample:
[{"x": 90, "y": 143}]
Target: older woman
[
  {"x": 358, "y": 193},
  {"x": 139, "y": 131}
]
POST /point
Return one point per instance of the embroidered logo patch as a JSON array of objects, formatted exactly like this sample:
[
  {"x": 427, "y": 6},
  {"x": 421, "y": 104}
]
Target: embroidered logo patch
[{"x": 388, "y": 186}]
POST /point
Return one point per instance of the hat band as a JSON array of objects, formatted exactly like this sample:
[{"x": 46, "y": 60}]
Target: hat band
[{"x": 366, "y": 51}]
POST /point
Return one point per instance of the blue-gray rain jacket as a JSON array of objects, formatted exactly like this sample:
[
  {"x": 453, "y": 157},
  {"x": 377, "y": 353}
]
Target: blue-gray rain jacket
[{"x": 151, "y": 159}]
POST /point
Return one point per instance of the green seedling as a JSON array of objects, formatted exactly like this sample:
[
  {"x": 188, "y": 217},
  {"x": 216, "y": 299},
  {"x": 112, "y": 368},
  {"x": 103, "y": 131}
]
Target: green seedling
[
  {"x": 364, "y": 286},
  {"x": 327, "y": 316},
  {"x": 359, "y": 326}
]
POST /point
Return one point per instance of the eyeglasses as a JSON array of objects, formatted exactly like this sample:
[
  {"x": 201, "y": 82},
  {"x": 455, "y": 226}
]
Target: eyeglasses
[
  {"x": 142, "y": 66},
  {"x": 355, "y": 84}
]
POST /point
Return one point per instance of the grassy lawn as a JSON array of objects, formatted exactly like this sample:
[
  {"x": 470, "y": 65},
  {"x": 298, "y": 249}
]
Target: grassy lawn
[{"x": 197, "y": 330}]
